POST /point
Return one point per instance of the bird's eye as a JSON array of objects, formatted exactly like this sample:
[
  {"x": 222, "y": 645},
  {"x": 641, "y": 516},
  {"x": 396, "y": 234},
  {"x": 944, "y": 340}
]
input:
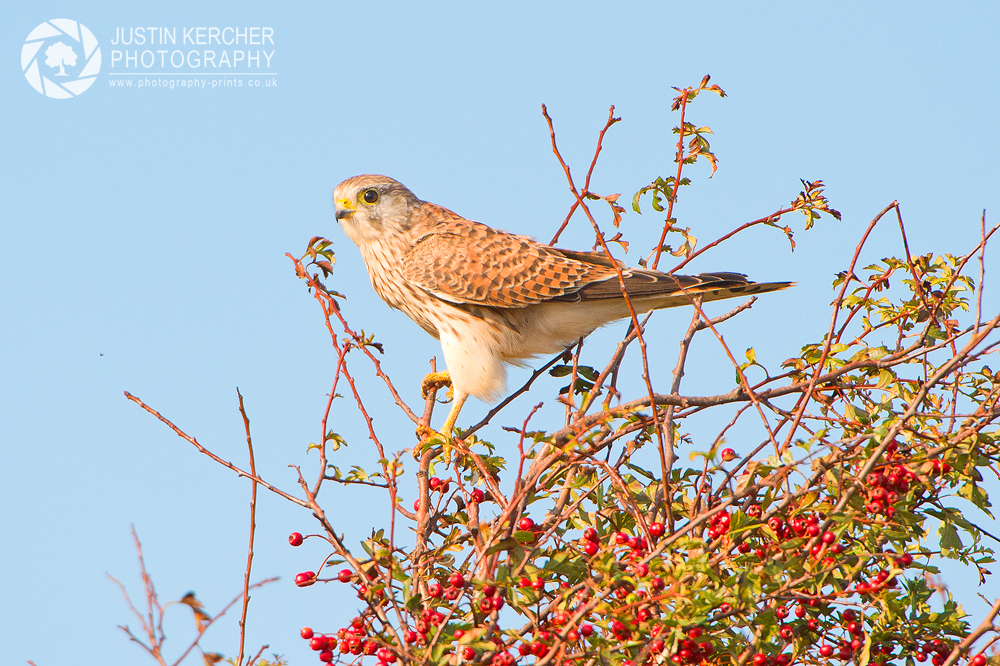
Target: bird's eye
[{"x": 370, "y": 195}]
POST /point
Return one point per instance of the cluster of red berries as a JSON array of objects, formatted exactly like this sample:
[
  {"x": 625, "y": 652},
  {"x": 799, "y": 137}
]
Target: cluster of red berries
[
  {"x": 690, "y": 651},
  {"x": 718, "y": 525},
  {"x": 886, "y": 487},
  {"x": 435, "y": 484},
  {"x": 539, "y": 643},
  {"x": 807, "y": 526},
  {"x": 351, "y": 640},
  {"x": 762, "y": 659},
  {"x": 642, "y": 620},
  {"x": 637, "y": 545}
]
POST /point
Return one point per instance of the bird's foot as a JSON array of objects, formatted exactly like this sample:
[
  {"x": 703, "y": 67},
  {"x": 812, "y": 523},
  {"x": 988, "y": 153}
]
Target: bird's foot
[
  {"x": 425, "y": 433},
  {"x": 435, "y": 380},
  {"x": 432, "y": 439}
]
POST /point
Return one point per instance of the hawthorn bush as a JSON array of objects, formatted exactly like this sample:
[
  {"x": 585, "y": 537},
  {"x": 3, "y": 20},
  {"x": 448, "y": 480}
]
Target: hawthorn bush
[{"x": 624, "y": 538}]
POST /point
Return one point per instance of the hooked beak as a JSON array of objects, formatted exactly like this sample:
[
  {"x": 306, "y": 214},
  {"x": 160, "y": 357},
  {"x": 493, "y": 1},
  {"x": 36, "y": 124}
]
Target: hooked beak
[{"x": 343, "y": 208}]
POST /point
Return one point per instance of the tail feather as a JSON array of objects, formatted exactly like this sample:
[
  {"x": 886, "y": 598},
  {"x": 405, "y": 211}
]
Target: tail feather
[{"x": 673, "y": 290}]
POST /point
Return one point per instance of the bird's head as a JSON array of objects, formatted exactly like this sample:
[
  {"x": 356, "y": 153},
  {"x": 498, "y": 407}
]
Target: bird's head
[{"x": 370, "y": 207}]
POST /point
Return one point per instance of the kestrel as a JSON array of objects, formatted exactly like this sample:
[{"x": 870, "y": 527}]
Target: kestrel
[{"x": 493, "y": 297}]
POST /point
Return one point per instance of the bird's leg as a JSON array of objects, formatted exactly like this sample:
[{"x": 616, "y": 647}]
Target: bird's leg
[{"x": 449, "y": 423}]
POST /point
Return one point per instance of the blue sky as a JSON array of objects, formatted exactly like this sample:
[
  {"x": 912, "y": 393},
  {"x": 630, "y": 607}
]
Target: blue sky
[{"x": 143, "y": 235}]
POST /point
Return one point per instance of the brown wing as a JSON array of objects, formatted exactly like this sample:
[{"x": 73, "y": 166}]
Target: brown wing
[{"x": 471, "y": 263}]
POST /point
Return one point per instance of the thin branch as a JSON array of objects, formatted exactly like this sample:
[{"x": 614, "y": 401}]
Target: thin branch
[
  {"x": 253, "y": 528},
  {"x": 225, "y": 463}
]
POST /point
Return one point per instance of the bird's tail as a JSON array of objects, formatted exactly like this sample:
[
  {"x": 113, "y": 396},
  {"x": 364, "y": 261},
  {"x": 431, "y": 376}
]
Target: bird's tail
[{"x": 655, "y": 290}]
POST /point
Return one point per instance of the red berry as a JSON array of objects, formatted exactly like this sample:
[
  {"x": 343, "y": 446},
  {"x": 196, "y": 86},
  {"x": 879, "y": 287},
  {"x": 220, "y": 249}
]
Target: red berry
[
  {"x": 656, "y": 583},
  {"x": 978, "y": 660},
  {"x": 345, "y": 575},
  {"x": 538, "y": 584},
  {"x": 306, "y": 633},
  {"x": 759, "y": 659},
  {"x": 326, "y": 656},
  {"x": 586, "y": 629},
  {"x": 590, "y": 548},
  {"x": 781, "y": 612},
  {"x": 305, "y": 579},
  {"x": 498, "y": 603},
  {"x": 525, "y": 582},
  {"x": 295, "y": 539},
  {"x": 318, "y": 643},
  {"x": 905, "y": 560},
  {"x": 621, "y": 538},
  {"x": 435, "y": 590},
  {"x": 526, "y": 524},
  {"x": 434, "y": 483},
  {"x": 456, "y": 580},
  {"x": 728, "y": 455},
  {"x": 656, "y": 530},
  {"x": 476, "y": 496},
  {"x": 590, "y": 534}
]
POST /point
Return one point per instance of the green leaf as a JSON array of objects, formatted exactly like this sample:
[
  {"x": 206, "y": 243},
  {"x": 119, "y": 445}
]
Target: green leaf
[{"x": 949, "y": 539}]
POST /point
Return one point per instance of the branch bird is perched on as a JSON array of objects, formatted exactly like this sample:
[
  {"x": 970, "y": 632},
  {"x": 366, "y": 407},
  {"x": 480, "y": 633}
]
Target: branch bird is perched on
[{"x": 492, "y": 297}]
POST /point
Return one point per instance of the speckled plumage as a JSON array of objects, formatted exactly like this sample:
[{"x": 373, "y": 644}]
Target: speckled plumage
[{"x": 492, "y": 297}]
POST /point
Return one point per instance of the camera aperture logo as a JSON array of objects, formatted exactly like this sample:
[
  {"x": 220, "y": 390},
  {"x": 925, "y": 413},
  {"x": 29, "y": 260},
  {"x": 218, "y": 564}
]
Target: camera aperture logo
[{"x": 61, "y": 58}]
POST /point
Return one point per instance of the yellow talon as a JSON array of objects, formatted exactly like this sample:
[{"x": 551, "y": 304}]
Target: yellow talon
[{"x": 435, "y": 380}]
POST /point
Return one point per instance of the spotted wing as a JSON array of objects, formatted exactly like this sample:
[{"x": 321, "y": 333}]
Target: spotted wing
[{"x": 471, "y": 263}]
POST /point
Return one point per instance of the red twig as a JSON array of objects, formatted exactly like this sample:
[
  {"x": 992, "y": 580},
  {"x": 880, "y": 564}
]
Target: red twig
[
  {"x": 683, "y": 99},
  {"x": 253, "y": 528}
]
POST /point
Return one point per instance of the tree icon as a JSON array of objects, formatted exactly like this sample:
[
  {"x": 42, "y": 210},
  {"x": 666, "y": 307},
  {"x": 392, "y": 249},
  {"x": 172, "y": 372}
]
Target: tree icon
[{"x": 58, "y": 55}]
